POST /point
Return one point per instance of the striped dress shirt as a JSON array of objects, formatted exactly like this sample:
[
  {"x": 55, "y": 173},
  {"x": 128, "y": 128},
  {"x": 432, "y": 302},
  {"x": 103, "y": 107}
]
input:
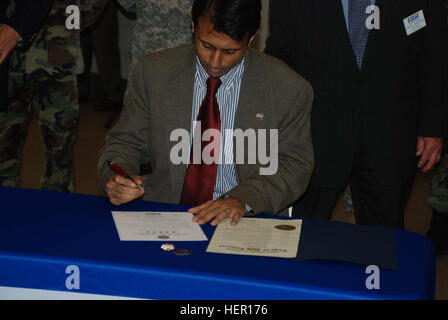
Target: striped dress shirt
[{"x": 228, "y": 97}]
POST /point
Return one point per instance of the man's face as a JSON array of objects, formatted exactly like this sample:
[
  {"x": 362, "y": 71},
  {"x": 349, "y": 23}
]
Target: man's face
[{"x": 217, "y": 52}]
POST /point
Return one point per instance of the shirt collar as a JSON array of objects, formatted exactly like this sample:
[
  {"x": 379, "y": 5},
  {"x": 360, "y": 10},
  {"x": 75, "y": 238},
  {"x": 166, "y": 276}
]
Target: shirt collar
[{"x": 227, "y": 80}]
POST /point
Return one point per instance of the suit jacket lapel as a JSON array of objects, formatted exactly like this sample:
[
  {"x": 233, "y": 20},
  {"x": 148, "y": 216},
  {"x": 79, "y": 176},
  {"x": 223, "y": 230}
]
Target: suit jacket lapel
[
  {"x": 341, "y": 37},
  {"x": 332, "y": 13},
  {"x": 374, "y": 36},
  {"x": 177, "y": 111},
  {"x": 254, "y": 98},
  {"x": 345, "y": 39}
]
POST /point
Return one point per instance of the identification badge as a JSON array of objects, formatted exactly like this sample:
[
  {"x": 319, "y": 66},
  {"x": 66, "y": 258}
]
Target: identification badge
[{"x": 414, "y": 22}]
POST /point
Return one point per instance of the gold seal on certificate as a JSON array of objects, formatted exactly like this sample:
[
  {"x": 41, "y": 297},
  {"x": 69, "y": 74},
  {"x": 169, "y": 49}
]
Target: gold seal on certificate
[{"x": 285, "y": 227}]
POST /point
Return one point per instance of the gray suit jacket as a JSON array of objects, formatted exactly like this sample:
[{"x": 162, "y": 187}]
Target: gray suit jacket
[{"x": 160, "y": 98}]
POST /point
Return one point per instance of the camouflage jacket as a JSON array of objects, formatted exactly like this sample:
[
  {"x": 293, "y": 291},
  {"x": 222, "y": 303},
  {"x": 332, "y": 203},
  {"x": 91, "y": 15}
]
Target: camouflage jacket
[
  {"x": 438, "y": 191},
  {"x": 56, "y": 46},
  {"x": 160, "y": 24}
]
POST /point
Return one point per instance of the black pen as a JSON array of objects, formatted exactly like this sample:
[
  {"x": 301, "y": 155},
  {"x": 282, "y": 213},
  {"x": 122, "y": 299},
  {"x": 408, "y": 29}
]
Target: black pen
[{"x": 122, "y": 173}]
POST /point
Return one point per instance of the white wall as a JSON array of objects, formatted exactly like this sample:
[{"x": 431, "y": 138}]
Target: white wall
[{"x": 264, "y": 32}]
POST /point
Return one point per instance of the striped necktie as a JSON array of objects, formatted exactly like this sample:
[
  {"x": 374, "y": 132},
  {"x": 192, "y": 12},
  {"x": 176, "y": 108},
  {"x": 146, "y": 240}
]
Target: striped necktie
[{"x": 358, "y": 31}]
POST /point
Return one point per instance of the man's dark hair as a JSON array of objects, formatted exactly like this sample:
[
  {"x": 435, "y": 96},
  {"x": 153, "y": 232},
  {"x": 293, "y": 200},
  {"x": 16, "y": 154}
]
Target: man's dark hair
[{"x": 235, "y": 18}]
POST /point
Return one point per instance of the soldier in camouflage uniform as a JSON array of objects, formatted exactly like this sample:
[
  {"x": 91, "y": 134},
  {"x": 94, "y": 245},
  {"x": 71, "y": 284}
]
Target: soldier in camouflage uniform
[
  {"x": 161, "y": 24},
  {"x": 44, "y": 79}
]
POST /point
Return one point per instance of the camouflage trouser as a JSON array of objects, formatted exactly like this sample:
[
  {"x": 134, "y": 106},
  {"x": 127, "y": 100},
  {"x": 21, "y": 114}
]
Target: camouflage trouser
[
  {"x": 438, "y": 191},
  {"x": 348, "y": 201},
  {"x": 55, "y": 97}
]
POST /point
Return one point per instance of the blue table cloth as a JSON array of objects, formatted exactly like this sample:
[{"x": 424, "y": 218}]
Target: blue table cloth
[{"x": 42, "y": 233}]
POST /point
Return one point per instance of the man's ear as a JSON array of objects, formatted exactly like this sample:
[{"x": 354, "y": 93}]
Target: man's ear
[
  {"x": 192, "y": 26},
  {"x": 253, "y": 38}
]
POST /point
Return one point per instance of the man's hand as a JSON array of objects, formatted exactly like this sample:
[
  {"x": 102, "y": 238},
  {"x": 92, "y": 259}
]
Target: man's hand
[
  {"x": 121, "y": 190},
  {"x": 8, "y": 40},
  {"x": 218, "y": 210},
  {"x": 430, "y": 150}
]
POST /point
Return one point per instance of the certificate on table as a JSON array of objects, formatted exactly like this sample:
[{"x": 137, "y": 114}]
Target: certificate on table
[
  {"x": 157, "y": 226},
  {"x": 257, "y": 237}
]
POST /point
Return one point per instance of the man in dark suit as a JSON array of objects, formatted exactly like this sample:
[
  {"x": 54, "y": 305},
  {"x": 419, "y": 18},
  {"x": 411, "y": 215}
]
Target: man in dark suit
[
  {"x": 379, "y": 112},
  {"x": 226, "y": 86},
  {"x": 21, "y": 27}
]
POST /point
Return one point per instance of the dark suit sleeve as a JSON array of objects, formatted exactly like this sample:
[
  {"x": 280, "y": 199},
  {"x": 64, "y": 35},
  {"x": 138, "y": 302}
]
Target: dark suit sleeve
[
  {"x": 279, "y": 42},
  {"x": 433, "y": 77},
  {"x": 273, "y": 193},
  {"x": 126, "y": 142},
  {"x": 28, "y": 18}
]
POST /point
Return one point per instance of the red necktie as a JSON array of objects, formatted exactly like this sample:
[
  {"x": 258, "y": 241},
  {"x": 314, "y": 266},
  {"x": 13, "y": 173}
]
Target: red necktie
[{"x": 200, "y": 179}]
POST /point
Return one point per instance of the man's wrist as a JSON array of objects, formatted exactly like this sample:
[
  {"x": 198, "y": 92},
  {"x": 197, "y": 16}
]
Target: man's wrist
[{"x": 248, "y": 209}]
